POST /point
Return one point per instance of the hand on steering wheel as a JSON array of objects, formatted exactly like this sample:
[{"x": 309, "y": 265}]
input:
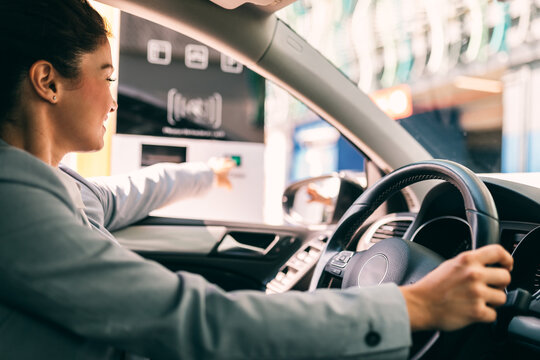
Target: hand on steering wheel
[
  {"x": 466, "y": 290},
  {"x": 461, "y": 291}
]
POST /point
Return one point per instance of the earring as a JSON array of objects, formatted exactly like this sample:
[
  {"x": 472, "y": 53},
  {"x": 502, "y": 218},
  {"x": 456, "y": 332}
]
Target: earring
[{"x": 54, "y": 97}]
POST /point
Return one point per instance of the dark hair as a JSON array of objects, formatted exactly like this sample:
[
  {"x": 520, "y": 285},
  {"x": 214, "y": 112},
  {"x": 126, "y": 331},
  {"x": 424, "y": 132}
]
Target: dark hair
[{"x": 58, "y": 31}]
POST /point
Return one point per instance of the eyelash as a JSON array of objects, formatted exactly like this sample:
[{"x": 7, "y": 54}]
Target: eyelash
[{"x": 111, "y": 79}]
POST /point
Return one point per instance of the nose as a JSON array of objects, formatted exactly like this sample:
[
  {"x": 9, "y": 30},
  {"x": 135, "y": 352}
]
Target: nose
[{"x": 114, "y": 106}]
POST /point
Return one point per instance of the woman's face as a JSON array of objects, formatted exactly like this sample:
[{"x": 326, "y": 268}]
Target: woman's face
[{"x": 84, "y": 104}]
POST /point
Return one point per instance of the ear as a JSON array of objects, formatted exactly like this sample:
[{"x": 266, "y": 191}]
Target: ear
[{"x": 43, "y": 79}]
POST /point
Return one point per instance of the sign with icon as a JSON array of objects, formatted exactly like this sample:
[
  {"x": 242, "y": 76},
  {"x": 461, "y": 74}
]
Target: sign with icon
[
  {"x": 173, "y": 86},
  {"x": 181, "y": 101}
]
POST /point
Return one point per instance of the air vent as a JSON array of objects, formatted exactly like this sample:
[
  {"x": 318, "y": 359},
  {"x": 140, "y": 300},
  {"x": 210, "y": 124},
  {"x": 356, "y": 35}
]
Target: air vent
[
  {"x": 393, "y": 225},
  {"x": 391, "y": 229}
]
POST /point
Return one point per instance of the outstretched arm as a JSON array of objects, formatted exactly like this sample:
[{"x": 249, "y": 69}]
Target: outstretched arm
[{"x": 118, "y": 201}]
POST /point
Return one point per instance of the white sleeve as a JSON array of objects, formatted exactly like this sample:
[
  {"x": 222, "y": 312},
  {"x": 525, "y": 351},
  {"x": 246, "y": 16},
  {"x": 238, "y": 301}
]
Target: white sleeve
[{"x": 129, "y": 198}]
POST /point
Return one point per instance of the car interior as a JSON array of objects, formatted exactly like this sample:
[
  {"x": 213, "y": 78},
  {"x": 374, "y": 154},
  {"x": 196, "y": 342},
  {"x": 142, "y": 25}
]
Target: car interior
[{"x": 406, "y": 194}]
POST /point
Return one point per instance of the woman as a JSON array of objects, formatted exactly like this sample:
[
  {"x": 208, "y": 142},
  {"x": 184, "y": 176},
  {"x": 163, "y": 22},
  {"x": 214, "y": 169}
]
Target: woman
[{"x": 68, "y": 292}]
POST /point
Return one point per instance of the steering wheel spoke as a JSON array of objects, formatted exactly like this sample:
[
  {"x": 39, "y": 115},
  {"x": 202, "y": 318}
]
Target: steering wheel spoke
[{"x": 391, "y": 260}]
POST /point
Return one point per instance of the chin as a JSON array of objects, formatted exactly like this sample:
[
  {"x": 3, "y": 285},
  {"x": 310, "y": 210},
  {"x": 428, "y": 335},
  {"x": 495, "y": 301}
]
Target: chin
[
  {"x": 99, "y": 146},
  {"x": 92, "y": 146},
  {"x": 99, "y": 141}
]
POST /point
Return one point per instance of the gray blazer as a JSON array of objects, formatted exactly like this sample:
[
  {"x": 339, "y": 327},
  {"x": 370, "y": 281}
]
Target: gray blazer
[
  {"x": 67, "y": 292},
  {"x": 113, "y": 202}
]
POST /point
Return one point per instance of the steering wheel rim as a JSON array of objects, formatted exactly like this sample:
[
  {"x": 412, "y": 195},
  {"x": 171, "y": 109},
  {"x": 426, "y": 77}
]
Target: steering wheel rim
[{"x": 480, "y": 211}]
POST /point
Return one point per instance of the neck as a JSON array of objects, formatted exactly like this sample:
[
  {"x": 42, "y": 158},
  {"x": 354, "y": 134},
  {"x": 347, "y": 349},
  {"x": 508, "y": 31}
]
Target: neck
[{"x": 30, "y": 131}]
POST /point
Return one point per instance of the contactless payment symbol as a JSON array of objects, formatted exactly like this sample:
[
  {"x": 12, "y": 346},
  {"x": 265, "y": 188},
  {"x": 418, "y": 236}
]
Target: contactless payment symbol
[{"x": 206, "y": 112}]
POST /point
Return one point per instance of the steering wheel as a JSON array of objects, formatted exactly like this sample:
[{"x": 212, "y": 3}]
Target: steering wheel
[{"x": 395, "y": 259}]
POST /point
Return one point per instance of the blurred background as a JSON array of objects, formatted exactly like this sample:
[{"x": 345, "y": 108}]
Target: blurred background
[{"x": 462, "y": 76}]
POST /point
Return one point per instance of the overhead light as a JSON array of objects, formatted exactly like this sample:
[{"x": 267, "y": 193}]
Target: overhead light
[{"x": 478, "y": 84}]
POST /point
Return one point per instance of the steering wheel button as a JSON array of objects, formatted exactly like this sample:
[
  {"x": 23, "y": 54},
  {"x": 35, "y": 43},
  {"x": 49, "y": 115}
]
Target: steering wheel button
[
  {"x": 344, "y": 256},
  {"x": 338, "y": 263},
  {"x": 372, "y": 338}
]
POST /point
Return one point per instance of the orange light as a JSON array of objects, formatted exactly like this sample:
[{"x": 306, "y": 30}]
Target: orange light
[{"x": 396, "y": 102}]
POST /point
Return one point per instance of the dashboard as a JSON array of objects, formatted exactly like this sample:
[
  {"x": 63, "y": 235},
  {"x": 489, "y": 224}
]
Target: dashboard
[
  {"x": 441, "y": 226},
  {"x": 276, "y": 259}
]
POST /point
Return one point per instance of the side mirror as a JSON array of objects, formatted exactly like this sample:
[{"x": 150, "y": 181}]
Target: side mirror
[{"x": 321, "y": 200}]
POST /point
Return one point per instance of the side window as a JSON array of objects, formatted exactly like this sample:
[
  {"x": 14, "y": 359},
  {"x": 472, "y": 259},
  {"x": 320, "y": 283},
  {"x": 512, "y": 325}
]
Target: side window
[
  {"x": 182, "y": 101},
  {"x": 301, "y": 145}
]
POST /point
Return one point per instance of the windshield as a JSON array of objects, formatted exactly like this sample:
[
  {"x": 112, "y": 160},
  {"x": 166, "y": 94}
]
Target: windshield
[{"x": 458, "y": 75}]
